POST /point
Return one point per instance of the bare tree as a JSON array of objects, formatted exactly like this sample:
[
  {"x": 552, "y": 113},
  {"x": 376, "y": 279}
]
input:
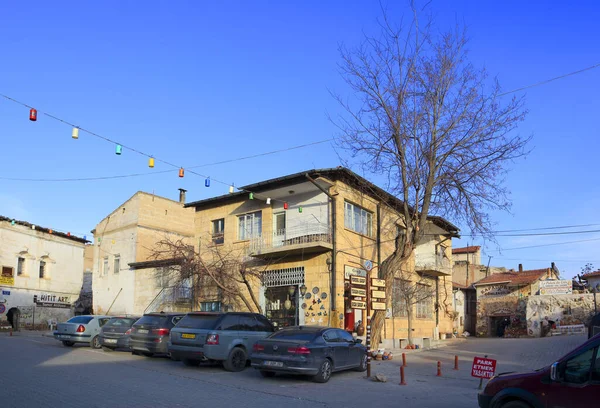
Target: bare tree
[
  {"x": 409, "y": 290},
  {"x": 216, "y": 272},
  {"x": 433, "y": 125}
]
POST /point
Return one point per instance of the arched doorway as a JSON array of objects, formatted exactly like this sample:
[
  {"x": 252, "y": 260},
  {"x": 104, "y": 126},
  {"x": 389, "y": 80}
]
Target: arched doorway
[{"x": 13, "y": 316}]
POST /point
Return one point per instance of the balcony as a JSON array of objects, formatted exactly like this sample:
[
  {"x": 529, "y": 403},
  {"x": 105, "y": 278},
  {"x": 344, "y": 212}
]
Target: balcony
[
  {"x": 308, "y": 238},
  {"x": 432, "y": 264}
]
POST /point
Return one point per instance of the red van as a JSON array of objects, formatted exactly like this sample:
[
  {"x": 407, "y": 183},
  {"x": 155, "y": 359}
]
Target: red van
[{"x": 573, "y": 381}]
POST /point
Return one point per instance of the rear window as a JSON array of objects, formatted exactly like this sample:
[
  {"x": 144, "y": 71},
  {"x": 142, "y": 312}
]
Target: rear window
[
  {"x": 152, "y": 320},
  {"x": 80, "y": 319},
  {"x": 192, "y": 321},
  {"x": 294, "y": 335},
  {"x": 120, "y": 322}
]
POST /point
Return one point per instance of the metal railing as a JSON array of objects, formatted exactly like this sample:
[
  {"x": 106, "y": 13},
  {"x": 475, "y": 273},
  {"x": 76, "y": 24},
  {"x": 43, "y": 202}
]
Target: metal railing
[
  {"x": 304, "y": 234},
  {"x": 169, "y": 296}
]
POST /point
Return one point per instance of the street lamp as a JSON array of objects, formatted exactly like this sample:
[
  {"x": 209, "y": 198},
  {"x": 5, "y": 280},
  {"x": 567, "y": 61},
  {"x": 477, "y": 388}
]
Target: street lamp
[{"x": 303, "y": 289}]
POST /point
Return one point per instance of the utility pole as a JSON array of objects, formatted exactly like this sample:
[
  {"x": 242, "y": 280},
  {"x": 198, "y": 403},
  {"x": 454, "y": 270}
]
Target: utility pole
[{"x": 487, "y": 270}]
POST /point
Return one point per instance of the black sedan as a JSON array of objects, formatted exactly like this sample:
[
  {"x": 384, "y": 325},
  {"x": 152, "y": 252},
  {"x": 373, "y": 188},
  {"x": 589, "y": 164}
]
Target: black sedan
[
  {"x": 115, "y": 333},
  {"x": 308, "y": 350}
]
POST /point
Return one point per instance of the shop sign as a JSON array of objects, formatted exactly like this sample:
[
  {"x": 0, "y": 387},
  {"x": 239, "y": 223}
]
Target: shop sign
[
  {"x": 483, "y": 368},
  {"x": 378, "y": 306},
  {"x": 49, "y": 300},
  {"x": 350, "y": 271},
  {"x": 378, "y": 282},
  {"x": 378, "y": 294},
  {"x": 6, "y": 292},
  {"x": 358, "y": 292},
  {"x": 556, "y": 287},
  {"x": 357, "y": 304},
  {"x": 494, "y": 290},
  {"x": 358, "y": 280},
  {"x": 7, "y": 281}
]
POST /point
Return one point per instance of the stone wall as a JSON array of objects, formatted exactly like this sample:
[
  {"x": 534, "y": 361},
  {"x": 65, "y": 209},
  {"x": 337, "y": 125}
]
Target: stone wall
[{"x": 565, "y": 310}]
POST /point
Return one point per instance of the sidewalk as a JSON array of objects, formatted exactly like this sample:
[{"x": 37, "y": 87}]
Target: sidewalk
[{"x": 29, "y": 333}]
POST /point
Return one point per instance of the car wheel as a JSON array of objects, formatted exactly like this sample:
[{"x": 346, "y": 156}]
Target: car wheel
[
  {"x": 236, "y": 360},
  {"x": 515, "y": 404},
  {"x": 104, "y": 348},
  {"x": 191, "y": 363},
  {"x": 96, "y": 343},
  {"x": 267, "y": 374},
  {"x": 68, "y": 343},
  {"x": 363, "y": 364},
  {"x": 324, "y": 372}
]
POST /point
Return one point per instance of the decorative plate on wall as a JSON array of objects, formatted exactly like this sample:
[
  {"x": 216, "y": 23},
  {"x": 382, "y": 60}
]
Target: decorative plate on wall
[
  {"x": 303, "y": 305},
  {"x": 308, "y": 295},
  {"x": 315, "y": 290},
  {"x": 324, "y": 295}
]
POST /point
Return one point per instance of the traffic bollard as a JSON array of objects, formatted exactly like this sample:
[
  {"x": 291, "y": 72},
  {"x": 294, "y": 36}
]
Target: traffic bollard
[
  {"x": 456, "y": 362},
  {"x": 404, "y": 359},
  {"x": 439, "y": 369},
  {"x": 402, "y": 381}
]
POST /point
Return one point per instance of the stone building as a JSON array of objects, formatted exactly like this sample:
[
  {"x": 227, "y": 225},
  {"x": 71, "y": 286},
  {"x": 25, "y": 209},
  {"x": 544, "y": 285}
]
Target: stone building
[
  {"x": 502, "y": 300},
  {"x": 313, "y": 231},
  {"x": 41, "y": 274},
  {"x": 570, "y": 313},
  {"x": 126, "y": 277}
]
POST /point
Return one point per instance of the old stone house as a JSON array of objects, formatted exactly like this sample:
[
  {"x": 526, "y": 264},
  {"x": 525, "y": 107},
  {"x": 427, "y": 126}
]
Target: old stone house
[
  {"x": 127, "y": 279},
  {"x": 313, "y": 231},
  {"x": 41, "y": 274}
]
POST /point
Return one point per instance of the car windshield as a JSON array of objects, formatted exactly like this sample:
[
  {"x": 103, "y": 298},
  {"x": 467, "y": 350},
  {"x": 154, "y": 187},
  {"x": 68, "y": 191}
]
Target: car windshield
[
  {"x": 152, "y": 320},
  {"x": 121, "y": 322},
  {"x": 294, "y": 335},
  {"x": 80, "y": 319},
  {"x": 198, "y": 321}
]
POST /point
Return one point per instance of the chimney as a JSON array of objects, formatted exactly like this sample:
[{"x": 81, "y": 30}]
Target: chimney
[
  {"x": 520, "y": 267},
  {"x": 182, "y": 195}
]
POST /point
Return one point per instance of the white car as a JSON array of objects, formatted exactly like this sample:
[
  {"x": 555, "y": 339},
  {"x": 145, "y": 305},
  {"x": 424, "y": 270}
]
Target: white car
[{"x": 81, "y": 329}]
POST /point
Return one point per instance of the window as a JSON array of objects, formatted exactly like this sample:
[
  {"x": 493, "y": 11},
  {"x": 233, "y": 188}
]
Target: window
[
  {"x": 198, "y": 321},
  {"x": 263, "y": 324},
  {"x": 105, "y": 266},
  {"x": 596, "y": 371},
  {"x": 344, "y": 336},
  {"x": 210, "y": 306},
  {"x": 577, "y": 369},
  {"x": 117, "y": 264},
  {"x": 358, "y": 219},
  {"x": 43, "y": 269},
  {"x": 7, "y": 271},
  {"x": 162, "y": 277},
  {"x": 331, "y": 336},
  {"x": 102, "y": 321},
  {"x": 398, "y": 300},
  {"x": 20, "y": 266},
  {"x": 230, "y": 322},
  {"x": 424, "y": 309},
  {"x": 250, "y": 225},
  {"x": 80, "y": 319},
  {"x": 218, "y": 231}
]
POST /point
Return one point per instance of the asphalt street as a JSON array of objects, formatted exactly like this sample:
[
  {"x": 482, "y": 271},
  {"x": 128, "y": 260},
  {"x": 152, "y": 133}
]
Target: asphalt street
[{"x": 38, "y": 371}]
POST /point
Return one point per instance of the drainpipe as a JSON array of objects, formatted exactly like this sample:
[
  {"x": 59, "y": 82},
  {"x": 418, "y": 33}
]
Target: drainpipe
[
  {"x": 379, "y": 273},
  {"x": 333, "y": 242}
]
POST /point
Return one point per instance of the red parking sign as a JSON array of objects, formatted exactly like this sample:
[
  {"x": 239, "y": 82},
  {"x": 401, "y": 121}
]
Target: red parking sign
[{"x": 483, "y": 368}]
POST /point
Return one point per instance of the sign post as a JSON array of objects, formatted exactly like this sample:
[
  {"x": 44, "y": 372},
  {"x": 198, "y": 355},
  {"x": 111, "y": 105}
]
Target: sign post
[
  {"x": 483, "y": 368},
  {"x": 368, "y": 266}
]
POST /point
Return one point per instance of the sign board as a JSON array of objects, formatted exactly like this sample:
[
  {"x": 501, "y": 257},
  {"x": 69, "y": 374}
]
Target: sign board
[
  {"x": 378, "y": 294},
  {"x": 358, "y": 292},
  {"x": 368, "y": 265},
  {"x": 7, "y": 281},
  {"x": 483, "y": 368},
  {"x": 6, "y": 292},
  {"x": 350, "y": 271},
  {"x": 378, "y": 306},
  {"x": 2, "y": 308},
  {"x": 358, "y": 280},
  {"x": 50, "y": 300},
  {"x": 493, "y": 290},
  {"x": 378, "y": 282},
  {"x": 357, "y": 304},
  {"x": 556, "y": 287}
]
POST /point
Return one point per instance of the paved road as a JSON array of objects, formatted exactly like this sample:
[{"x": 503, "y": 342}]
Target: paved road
[{"x": 39, "y": 371}]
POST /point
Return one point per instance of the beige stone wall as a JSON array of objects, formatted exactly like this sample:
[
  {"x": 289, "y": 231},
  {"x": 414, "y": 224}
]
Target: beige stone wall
[{"x": 564, "y": 310}]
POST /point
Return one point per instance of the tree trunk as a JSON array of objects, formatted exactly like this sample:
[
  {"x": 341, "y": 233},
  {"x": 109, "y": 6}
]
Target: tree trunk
[{"x": 409, "y": 316}]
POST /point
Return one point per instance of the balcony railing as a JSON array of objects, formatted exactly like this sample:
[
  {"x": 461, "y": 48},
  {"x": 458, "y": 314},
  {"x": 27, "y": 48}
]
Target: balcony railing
[
  {"x": 432, "y": 263},
  {"x": 301, "y": 236}
]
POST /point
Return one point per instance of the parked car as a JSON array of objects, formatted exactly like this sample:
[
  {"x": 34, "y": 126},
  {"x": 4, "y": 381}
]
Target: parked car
[
  {"x": 223, "y": 337},
  {"x": 594, "y": 326},
  {"x": 573, "y": 381},
  {"x": 115, "y": 333},
  {"x": 308, "y": 350},
  {"x": 81, "y": 329},
  {"x": 150, "y": 334}
]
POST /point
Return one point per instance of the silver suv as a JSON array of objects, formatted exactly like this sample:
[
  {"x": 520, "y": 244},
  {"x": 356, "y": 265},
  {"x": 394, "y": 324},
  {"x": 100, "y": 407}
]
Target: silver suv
[{"x": 226, "y": 337}]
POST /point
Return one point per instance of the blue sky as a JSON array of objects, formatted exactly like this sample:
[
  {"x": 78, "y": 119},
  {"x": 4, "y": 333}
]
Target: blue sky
[{"x": 197, "y": 82}]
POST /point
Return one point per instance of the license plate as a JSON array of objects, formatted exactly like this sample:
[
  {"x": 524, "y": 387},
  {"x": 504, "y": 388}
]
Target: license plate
[
  {"x": 188, "y": 336},
  {"x": 63, "y": 336},
  {"x": 273, "y": 363},
  {"x": 110, "y": 341},
  {"x": 142, "y": 331}
]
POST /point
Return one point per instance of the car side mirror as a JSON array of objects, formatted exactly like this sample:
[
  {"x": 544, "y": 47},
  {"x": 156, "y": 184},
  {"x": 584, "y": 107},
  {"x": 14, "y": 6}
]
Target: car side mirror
[
  {"x": 358, "y": 341},
  {"x": 554, "y": 372}
]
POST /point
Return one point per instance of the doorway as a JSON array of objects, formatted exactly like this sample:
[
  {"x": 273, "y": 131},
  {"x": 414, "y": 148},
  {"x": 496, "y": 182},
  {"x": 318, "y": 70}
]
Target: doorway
[
  {"x": 278, "y": 229},
  {"x": 14, "y": 316},
  {"x": 498, "y": 325},
  {"x": 281, "y": 305}
]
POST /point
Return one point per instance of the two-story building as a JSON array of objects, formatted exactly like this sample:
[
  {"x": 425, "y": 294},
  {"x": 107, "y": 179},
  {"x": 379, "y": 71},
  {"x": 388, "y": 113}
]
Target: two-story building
[
  {"x": 126, "y": 273},
  {"x": 41, "y": 273},
  {"x": 312, "y": 231}
]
